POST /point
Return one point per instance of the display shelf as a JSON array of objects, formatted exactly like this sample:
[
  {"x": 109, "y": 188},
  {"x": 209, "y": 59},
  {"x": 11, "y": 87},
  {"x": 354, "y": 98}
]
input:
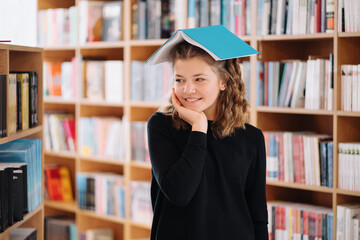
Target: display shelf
[{"x": 62, "y": 206}]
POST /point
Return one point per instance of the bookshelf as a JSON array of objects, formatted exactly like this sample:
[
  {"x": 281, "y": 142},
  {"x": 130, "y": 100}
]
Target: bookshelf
[
  {"x": 19, "y": 58},
  {"x": 341, "y": 125}
]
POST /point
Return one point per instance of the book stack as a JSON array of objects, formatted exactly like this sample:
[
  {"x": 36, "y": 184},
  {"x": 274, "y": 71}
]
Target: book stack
[
  {"x": 139, "y": 144},
  {"x": 57, "y": 27},
  {"x": 100, "y": 21},
  {"x": 349, "y": 166},
  {"x": 103, "y": 193},
  {"x": 296, "y": 84},
  {"x": 18, "y": 102},
  {"x": 348, "y": 221},
  {"x": 103, "y": 80},
  {"x": 141, "y": 208},
  {"x": 60, "y": 227},
  {"x": 102, "y": 137},
  {"x": 299, "y": 157},
  {"x": 59, "y": 132},
  {"x": 289, "y": 220},
  {"x": 20, "y": 179},
  {"x": 24, "y": 234},
  {"x": 60, "y": 79},
  {"x": 97, "y": 234},
  {"x": 350, "y": 88},
  {"x": 150, "y": 82},
  {"x": 295, "y": 16},
  {"x": 57, "y": 183},
  {"x": 348, "y": 19}
]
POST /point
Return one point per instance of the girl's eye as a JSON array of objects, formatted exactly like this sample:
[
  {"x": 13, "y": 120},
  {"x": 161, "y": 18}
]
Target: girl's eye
[
  {"x": 178, "y": 80},
  {"x": 199, "y": 79}
]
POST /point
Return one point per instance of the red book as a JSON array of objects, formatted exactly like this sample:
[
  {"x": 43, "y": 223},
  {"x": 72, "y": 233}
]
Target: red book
[
  {"x": 53, "y": 183},
  {"x": 69, "y": 127},
  {"x": 280, "y": 137},
  {"x": 296, "y": 158}
]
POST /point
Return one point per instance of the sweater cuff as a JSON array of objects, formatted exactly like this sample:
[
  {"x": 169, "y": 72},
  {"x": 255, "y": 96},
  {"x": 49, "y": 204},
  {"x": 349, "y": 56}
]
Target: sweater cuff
[{"x": 198, "y": 138}]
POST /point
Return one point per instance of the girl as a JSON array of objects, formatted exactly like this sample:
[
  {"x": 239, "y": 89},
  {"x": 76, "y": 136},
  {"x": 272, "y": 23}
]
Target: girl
[{"x": 208, "y": 164}]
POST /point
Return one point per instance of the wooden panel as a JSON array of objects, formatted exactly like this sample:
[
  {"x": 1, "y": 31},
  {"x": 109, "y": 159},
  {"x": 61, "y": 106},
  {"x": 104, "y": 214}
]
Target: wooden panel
[
  {"x": 4, "y": 61},
  {"x": 348, "y": 129},
  {"x": 140, "y": 174},
  {"x": 341, "y": 199},
  {"x": 56, "y": 56},
  {"x": 138, "y": 232},
  {"x": 297, "y": 49},
  {"x": 295, "y": 122},
  {"x": 88, "y": 111},
  {"x": 49, "y": 211},
  {"x": 89, "y": 166},
  {"x": 141, "y": 53},
  {"x": 66, "y": 108},
  {"x": 85, "y": 222},
  {"x": 103, "y": 53},
  {"x": 45, "y": 4},
  {"x": 141, "y": 113},
  {"x": 300, "y": 196},
  {"x": 37, "y": 221}
]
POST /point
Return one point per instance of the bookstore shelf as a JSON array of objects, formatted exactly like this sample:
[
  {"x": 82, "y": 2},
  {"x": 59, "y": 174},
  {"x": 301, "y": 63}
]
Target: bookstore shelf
[
  {"x": 293, "y": 110},
  {"x": 22, "y": 134},
  {"x": 63, "y": 206},
  {"x": 28, "y": 217},
  {"x": 299, "y": 186},
  {"x": 342, "y": 126}
]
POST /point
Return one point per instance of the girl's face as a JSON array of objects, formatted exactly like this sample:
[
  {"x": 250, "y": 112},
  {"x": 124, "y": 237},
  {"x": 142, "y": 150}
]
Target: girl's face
[{"x": 197, "y": 86}]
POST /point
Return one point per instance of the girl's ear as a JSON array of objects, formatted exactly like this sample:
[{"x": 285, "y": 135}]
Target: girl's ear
[{"x": 222, "y": 85}]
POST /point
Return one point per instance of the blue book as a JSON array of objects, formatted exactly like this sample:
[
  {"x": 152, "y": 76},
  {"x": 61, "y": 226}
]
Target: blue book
[{"x": 218, "y": 41}]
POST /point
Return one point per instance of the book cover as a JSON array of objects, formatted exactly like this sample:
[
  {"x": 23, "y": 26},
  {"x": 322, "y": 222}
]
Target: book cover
[
  {"x": 111, "y": 21},
  {"x": 33, "y": 96},
  {"x": 219, "y": 42}
]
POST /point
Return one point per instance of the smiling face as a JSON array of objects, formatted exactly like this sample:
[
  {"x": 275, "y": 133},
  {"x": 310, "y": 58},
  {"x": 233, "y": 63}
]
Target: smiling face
[{"x": 197, "y": 86}]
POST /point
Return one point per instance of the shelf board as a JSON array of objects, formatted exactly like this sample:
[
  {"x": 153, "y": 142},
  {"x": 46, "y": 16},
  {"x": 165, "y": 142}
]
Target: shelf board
[
  {"x": 348, "y": 114},
  {"x": 140, "y": 225},
  {"x": 147, "y": 42},
  {"x": 106, "y": 218},
  {"x": 299, "y": 186},
  {"x": 288, "y": 110},
  {"x": 140, "y": 104},
  {"x": 296, "y": 37},
  {"x": 144, "y": 165},
  {"x": 100, "y": 103},
  {"x": 348, "y": 34},
  {"x": 61, "y": 154},
  {"x": 21, "y": 134},
  {"x": 64, "y": 206},
  {"x": 102, "y": 160},
  {"x": 59, "y": 100},
  {"x": 59, "y": 48},
  {"x": 347, "y": 192},
  {"x": 17, "y": 224},
  {"x": 102, "y": 45}
]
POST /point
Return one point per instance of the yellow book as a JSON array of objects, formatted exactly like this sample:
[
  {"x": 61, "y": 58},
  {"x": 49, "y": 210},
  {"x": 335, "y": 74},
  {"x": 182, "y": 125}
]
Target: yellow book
[
  {"x": 66, "y": 184},
  {"x": 23, "y": 79},
  {"x": 11, "y": 104}
]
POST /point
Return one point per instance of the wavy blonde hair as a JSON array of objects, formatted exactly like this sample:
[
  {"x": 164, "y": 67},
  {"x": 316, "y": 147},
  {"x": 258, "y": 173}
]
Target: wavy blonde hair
[{"x": 231, "y": 107}]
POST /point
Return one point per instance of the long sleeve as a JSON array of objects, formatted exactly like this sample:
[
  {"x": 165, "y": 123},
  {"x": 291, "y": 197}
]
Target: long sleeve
[
  {"x": 177, "y": 172},
  {"x": 256, "y": 190}
]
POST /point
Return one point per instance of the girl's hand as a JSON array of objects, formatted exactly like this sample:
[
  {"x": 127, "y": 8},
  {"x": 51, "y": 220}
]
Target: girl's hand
[{"x": 197, "y": 120}]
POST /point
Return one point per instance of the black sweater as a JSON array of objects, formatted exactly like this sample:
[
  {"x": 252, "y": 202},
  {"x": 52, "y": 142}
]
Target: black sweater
[{"x": 205, "y": 188}]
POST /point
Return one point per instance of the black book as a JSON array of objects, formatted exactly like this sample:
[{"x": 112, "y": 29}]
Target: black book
[
  {"x": 3, "y": 106},
  {"x": 18, "y": 106},
  {"x": 90, "y": 193},
  {"x": 33, "y": 96},
  {"x": 3, "y": 199}
]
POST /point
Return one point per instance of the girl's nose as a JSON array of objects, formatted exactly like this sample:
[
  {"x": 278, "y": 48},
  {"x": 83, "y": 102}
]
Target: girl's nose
[{"x": 189, "y": 88}]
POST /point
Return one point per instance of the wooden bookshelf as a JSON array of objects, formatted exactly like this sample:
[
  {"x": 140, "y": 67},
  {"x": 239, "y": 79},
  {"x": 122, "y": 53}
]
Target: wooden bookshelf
[
  {"x": 21, "y": 58},
  {"x": 343, "y": 126}
]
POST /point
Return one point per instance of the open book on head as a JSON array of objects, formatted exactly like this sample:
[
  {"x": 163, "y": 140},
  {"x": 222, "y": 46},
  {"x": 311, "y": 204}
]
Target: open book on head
[{"x": 218, "y": 41}]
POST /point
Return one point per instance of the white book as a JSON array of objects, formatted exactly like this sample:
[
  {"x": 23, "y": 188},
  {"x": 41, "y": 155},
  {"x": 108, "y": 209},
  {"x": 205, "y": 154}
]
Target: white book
[
  {"x": 83, "y": 21},
  {"x": 309, "y": 85},
  {"x": 265, "y": 23},
  {"x": 66, "y": 78},
  {"x": 279, "y": 16},
  {"x": 340, "y": 6},
  {"x": 290, "y": 89},
  {"x": 114, "y": 81},
  {"x": 350, "y": 212},
  {"x": 354, "y": 88}
]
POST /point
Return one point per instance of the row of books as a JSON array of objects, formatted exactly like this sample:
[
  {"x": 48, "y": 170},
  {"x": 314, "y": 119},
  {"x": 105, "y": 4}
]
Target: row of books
[
  {"x": 102, "y": 137},
  {"x": 140, "y": 201},
  {"x": 60, "y": 227},
  {"x": 348, "y": 19},
  {"x": 103, "y": 80},
  {"x": 139, "y": 142},
  {"x": 23, "y": 234},
  {"x": 57, "y": 183},
  {"x": 235, "y": 15},
  {"x": 348, "y": 221},
  {"x": 155, "y": 19},
  {"x": 296, "y": 84},
  {"x": 13, "y": 193},
  {"x": 100, "y": 21},
  {"x": 350, "y": 88},
  {"x": 99, "y": 233},
  {"x": 103, "y": 193},
  {"x": 289, "y": 220},
  {"x": 57, "y": 27},
  {"x": 150, "y": 82},
  {"x": 59, "y": 132},
  {"x": 60, "y": 79},
  {"x": 18, "y": 102},
  {"x": 299, "y": 157},
  {"x": 295, "y": 16},
  {"x": 349, "y": 166},
  {"x": 26, "y": 151}
]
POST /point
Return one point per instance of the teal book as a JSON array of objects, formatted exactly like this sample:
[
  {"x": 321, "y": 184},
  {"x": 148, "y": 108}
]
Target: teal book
[{"x": 218, "y": 41}]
